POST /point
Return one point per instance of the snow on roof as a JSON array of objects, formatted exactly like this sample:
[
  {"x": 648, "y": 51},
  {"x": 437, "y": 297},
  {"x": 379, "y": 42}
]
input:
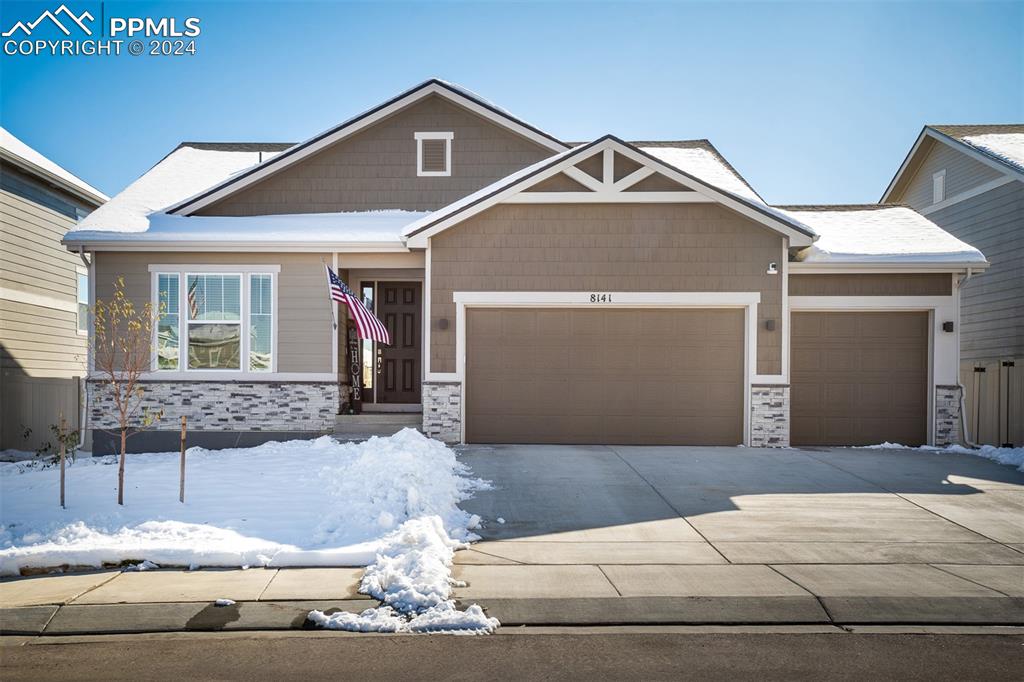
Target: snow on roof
[
  {"x": 705, "y": 165},
  {"x": 370, "y": 227},
  {"x": 15, "y": 147},
  {"x": 181, "y": 174},
  {"x": 1007, "y": 147},
  {"x": 878, "y": 234}
]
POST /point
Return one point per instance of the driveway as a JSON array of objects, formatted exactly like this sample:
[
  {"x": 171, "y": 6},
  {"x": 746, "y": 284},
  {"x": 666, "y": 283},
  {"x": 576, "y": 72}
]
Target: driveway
[{"x": 780, "y": 535}]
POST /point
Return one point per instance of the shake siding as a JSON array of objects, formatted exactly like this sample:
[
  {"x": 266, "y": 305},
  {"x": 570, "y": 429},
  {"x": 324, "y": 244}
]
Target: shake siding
[
  {"x": 992, "y": 315},
  {"x": 605, "y": 248},
  {"x": 911, "y": 284},
  {"x": 303, "y": 314},
  {"x": 376, "y": 168},
  {"x": 962, "y": 173}
]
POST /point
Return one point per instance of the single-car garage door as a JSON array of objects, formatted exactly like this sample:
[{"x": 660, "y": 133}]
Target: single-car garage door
[
  {"x": 859, "y": 378},
  {"x": 617, "y": 376}
]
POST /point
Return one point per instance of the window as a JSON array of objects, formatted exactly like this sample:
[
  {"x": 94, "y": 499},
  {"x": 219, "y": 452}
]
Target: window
[
  {"x": 83, "y": 303},
  {"x": 214, "y": 321},
  {"x": 939, "y": 186},
  {"x": 168, "y": 319},
  {"x": 434, "y": 154}
]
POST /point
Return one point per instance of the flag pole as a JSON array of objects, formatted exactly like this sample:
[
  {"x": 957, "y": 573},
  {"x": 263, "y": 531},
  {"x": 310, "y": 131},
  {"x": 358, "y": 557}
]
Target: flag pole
[{"x": 330, "y": 301}]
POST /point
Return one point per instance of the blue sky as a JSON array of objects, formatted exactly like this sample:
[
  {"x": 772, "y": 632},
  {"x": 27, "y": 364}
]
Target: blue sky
[{"x": 812, "y": 102}]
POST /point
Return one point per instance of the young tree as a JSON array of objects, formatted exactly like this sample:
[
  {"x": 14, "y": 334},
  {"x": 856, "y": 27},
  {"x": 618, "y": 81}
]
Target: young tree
[{"x": 121, "y": 342}]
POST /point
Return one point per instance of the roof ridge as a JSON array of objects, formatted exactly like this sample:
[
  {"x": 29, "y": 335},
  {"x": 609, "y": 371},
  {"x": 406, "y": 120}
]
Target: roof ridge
[{"x": 838, "y": 207}]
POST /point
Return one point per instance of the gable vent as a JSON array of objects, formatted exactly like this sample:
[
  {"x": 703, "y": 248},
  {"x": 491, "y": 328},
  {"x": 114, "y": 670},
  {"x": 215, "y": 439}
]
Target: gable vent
[{"x": 434, "y": 154}]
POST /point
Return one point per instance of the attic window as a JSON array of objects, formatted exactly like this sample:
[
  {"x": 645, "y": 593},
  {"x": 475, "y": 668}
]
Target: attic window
[
  {"x": 938, "y": 186},
  {"x": 434, "y": 154}
]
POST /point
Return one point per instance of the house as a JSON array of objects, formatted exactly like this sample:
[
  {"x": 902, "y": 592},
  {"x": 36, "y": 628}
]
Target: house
[
  {"x": 537, "y": 291},
  {"x": 43, "y": 296},
  {"x": 969, "y": 180}
]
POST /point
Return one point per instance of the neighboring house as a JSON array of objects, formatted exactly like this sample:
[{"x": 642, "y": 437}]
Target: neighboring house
[
  {"x": 44, "y": 295},
  {"x": 536, "y": 291},
  {"x": 969, "y": 179}
]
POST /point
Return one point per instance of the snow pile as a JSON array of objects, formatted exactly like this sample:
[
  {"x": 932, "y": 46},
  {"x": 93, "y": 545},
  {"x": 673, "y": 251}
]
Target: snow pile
[
  {"x": 296, "y": 503},
  {"x": 412, "y": 577},
  {"x": 1008, "y": 147},
  {"x": 1011, "y": 456},
  {"x": 880, "y": 235}
]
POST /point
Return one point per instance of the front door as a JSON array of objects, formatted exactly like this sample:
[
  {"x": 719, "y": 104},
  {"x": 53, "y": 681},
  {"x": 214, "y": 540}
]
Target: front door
[{"x": 399, "y": 305}]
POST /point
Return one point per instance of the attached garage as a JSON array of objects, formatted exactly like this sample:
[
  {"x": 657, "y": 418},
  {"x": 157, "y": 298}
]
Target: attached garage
[
  {"x": 608, "y": 375},
  {"x": 859, "y": 378}
]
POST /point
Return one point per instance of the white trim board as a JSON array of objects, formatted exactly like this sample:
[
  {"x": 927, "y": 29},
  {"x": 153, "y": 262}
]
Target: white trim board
[
  {"x": 747, "y": 301},
  {"x": 965, "y": 195}
]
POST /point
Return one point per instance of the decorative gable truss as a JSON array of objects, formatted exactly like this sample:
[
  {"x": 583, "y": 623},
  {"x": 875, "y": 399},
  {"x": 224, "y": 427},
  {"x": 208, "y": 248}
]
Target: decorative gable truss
[{"x": 605, "y": 171}]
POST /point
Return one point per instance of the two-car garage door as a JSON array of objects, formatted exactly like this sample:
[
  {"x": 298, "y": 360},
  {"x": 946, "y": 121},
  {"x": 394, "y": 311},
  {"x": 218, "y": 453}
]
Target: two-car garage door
[{"x": 616, "y": 376}]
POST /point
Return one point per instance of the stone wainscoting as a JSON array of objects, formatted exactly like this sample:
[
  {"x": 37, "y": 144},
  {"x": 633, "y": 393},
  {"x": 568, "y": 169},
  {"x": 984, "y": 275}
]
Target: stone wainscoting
[
  {"x": 271, "y": 406},
  {"x": 442, "y": 410},
  {"x": 769, "y": 416},
  {"x": 947, "y": 416}
]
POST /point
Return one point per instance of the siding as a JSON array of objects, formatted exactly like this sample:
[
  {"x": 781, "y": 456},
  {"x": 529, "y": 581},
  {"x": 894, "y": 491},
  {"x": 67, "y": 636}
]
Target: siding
[
  {"x": 605, "y": 247},
  {"x": 992, "y": 314},
  {"x": 962, "y": 174},
  {"x": 304, "y": 314},
  {"x": 41, "y": 351},
  {"x": 376, "y": 168},
  {"x": 911, "y": 284}
]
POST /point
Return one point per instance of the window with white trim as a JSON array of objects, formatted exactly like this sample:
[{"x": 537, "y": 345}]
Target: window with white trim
[
  {"x": 434, "y": 154},
  {"x": 214, "y": 321},
  {"x": 83, "y": 303},
  {"x": 938, "y": 186}
]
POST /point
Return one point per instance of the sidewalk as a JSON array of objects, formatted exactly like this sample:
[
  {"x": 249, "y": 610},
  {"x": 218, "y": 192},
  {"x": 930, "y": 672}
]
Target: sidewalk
[{"x": 526, "y": 594}]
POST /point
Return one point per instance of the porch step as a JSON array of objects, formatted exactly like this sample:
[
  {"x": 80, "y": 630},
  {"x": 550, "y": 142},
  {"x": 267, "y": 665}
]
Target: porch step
[{"x": 363, "y": 426}]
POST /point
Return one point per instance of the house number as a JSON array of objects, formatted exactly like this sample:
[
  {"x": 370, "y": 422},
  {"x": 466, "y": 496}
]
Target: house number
[{"x": 600, "y": 298}]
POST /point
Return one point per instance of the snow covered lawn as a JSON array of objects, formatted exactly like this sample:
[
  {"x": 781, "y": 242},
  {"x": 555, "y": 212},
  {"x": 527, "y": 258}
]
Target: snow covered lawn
[{"x": 387, "y": 503}]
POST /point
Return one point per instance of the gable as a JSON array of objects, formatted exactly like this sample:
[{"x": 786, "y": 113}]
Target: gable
[
  {"x": 961, "y": 173},
  {"x": 376, "y": 168}
]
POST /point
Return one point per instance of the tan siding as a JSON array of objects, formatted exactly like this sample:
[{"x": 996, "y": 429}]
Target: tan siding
[
  {"x": 910, "y": 284},
  {"x": 605, "y": 247},
  {"x": 304, "y": 315},
  {"x": 962, "y": 174},
  {"x": 992, "y": 313},
  {"x": 376, "y": 168}
]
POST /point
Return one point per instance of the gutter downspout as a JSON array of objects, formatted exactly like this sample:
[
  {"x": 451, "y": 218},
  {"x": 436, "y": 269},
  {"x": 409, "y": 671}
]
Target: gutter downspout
[
  {"x": 963, "y": 391},
  {"x": 84, "y": 417}
]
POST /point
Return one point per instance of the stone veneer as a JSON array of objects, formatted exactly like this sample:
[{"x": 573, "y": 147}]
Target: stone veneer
[
  {"x": 442, "y": 410},
  {"x": 947, "y": 415},
  {"x": 769, "y": 416},
  {"x": 228, "y": 405}
]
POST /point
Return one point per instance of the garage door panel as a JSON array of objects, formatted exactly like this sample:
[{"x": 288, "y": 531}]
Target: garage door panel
[
  {"x": 859, "y": 378},
  {"x": 617, "y": 376}
]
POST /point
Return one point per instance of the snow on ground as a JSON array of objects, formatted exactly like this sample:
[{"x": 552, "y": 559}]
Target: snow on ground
[
  {"x": 1011, "y": 456},
  {"x": 296, "y": 503}
]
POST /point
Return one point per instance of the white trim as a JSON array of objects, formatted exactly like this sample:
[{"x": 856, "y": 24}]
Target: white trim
[
  {"x": 293, "y": 246},
  {"x": 41, "y": 300},
  {"x": 943, "y": 353},
  {"x": 939, "y": 186},
  {"x": 275, "y": 164},
  {"x": 847, "y": 268},
  {"x": 633, "y": 178},
  {"x": 337, "y": 323},
  {"x": 233, "y": 377},
  {"x": 166, "y": 268},
  {"x": 609, "y": 144},
  {"x": 447, "y": 137},
  {"x": 584, "y": 178},
  {"x": 965, "y": 195},
  {"x": 606, "y": 197},
  {"x": 90, "y": 354},
  {"x": 748, "y": 301}
]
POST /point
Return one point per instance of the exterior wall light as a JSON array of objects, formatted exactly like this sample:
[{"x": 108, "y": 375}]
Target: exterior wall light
[{"x": 773, "y": 269}]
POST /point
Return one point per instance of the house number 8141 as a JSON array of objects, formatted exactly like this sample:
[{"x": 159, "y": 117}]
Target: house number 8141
[{"x": 600, "y": 298}]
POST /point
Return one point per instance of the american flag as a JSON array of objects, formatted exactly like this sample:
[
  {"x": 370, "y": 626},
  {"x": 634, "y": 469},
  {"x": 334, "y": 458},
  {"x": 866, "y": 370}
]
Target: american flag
[
  {"x": 367, "y": 325},
  {"x": 193, "y": 303}
]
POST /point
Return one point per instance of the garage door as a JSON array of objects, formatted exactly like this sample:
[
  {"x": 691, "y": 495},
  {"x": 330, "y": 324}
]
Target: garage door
[
  {"x": 859, "y": 378},
  {"x": 604, "y": 376}
]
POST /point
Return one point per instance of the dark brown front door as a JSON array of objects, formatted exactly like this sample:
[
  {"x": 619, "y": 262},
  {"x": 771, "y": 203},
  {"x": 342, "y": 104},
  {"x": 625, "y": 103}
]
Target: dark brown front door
[{"x": 399, "y": 305}]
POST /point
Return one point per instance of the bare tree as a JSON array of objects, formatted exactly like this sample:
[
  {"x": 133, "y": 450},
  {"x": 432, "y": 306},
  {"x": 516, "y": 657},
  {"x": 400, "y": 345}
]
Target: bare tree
[{"x": 122, "y": 337}]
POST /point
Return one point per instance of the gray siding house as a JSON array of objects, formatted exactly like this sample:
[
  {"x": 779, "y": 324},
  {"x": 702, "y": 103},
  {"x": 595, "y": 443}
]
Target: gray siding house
[
  {"x": 969, "y": 179},
  {"x": 535, "y": 291},
  {"x": 44, "y": 294}
]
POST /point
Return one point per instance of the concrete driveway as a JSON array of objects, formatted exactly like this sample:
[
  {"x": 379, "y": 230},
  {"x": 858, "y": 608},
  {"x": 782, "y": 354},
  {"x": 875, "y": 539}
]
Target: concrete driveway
[{"x": 772, "y": 535}]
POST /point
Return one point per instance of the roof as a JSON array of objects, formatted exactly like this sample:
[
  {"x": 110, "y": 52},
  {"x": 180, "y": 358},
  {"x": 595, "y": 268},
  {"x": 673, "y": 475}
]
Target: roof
[
  {"x": 188, "y": 169},
  {"x": 19, "y": 153},
  {"x": 879, "y": 233},
  {"x": 434, "y": 86}
]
